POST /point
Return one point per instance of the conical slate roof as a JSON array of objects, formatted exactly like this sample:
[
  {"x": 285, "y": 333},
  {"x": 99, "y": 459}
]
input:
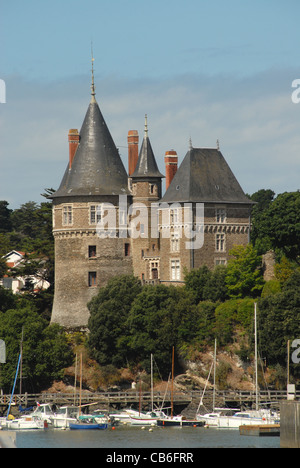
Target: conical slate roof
[
  {"x": 204, "y": 176},
  {"x": 146, "y": 165},
  {"x": 97, "y": 168}
]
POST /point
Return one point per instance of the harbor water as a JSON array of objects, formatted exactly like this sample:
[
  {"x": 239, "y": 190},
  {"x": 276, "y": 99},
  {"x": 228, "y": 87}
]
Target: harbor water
[{"x": 127, "y": 437}]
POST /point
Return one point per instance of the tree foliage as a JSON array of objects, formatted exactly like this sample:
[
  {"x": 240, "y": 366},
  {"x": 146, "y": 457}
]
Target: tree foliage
[
  {"x": 244, "y": 275},
  {"x": 279, "y": 321},
  {"x": 45, "y": 350},
  {"x": 276, "y": 223}
]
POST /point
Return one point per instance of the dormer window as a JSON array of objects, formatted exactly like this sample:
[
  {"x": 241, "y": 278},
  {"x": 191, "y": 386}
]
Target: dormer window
[{"x": 220, "y": 215}]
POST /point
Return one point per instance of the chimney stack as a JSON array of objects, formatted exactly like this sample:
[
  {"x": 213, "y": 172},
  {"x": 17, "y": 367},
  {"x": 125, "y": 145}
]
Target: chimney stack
[
  {"x": 171, "y": 162},
  {"x": 73, "y": 138},
  {"x": 133, "y": 150}
]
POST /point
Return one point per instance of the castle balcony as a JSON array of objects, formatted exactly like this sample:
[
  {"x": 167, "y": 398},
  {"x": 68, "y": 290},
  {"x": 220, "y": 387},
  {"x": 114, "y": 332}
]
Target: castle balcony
[{"x": 154, "y": 282}]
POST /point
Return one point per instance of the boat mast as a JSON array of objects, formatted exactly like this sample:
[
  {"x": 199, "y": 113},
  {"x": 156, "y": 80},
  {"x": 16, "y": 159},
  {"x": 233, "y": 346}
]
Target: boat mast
[
  {"x": 256, "y": 373},
  {"x": 80, "y": 390},
  {"x": 214, "y": 390},
  {"x": 12, "y": 393},
  {"x": 152, "y": 382},
  {"x": 172, "y": 386},
  {"x": 21, "y": 363}
]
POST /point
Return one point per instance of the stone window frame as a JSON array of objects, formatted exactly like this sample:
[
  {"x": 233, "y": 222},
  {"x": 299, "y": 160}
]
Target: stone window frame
[
  {"x": 220, "y": 242},
  {"x": 175, "y": 271},
  {"x": 94, "y": 220},
  {"x": 221, "y": 214},
  {"x": 220, "y": 261},
  {"x": 92, "y": 279},
  {"x": 175, "y": 237}
]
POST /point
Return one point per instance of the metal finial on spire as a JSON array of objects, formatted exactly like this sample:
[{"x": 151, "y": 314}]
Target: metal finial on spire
[
  {"x": 218, "y": 145},
  {"x": 146, "y": 127},
  {"x": 93, "y": 82},
  {"x": 190, "y": 144}
]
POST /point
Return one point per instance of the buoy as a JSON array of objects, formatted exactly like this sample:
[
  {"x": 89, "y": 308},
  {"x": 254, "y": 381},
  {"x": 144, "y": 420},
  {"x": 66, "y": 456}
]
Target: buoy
[
  {"x": 113, "y": 428},
  {"x": 150, "y": 430},
  {"x": 143, "y": 427}
]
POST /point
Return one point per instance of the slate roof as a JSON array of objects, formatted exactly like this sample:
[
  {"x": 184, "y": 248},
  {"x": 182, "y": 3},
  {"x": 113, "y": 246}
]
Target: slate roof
[
  {"x": 204, "y": 176},
  {"x": 97, "y": 168},
  {"x": 146, "y": 165}
]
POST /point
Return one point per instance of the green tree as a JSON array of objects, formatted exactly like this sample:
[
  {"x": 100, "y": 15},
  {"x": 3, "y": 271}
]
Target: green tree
[
  {"x": 5, "y": 217},
  {"x": 108, "y": 315},
  {"x": 196, "y": 281},
  {"x": 280, "y": 223},
  {"x": 232, "y": 315},
  {"x": 7, "y": 300},
  {"x": 244, "y": 275},
  {"x": 207, "y": 285},
  {"x": 279, "y": 321},
  {"x": 45, "y": 350},
  {"x": 152, "y": 326},
  {"x": 263, "y": 199}
]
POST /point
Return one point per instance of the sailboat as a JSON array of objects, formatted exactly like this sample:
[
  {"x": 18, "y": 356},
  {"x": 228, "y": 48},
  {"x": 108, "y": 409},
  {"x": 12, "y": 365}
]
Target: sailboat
[
  {"x": 149, "y": 418},
  {"x": 179, "y": 420},
  {"x": 259, "y": 416},
  {"x": 38, "y": 419}
]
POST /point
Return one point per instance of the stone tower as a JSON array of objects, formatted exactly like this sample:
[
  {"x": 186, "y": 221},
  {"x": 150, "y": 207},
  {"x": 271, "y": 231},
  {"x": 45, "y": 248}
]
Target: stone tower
[
  {"x": 147, "y": 191},
  {"x": 95, "y": 175}
]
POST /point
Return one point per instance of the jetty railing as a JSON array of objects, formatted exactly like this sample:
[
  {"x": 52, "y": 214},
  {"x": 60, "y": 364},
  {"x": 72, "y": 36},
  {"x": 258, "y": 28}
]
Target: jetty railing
[{"x": 132, "y": 398}]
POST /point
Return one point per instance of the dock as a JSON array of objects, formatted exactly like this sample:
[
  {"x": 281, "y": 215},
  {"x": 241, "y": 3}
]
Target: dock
[{"x": 263, "y": 430}]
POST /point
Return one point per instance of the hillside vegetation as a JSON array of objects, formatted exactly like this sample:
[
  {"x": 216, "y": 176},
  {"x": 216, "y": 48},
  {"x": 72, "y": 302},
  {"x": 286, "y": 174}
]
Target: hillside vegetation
[{"x": 129, "y": 321}]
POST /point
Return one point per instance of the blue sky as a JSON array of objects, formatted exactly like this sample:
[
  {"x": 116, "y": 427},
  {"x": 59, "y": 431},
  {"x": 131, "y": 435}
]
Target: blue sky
[{"x": 204, "y": 70}]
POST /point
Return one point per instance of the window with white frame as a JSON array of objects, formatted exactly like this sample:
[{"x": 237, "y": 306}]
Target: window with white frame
[
  {"x": 221, "y": 215},
  {"x": 175, "y": 270},
  {"x": 95, "y": 214},
  {"x": 220, "y": 242},
  {"x": 174, "y": 241},
  {"x": 220, "y": 261},
  {"x": 174, "y": 213},
  {"x": 67, "y": 215}
]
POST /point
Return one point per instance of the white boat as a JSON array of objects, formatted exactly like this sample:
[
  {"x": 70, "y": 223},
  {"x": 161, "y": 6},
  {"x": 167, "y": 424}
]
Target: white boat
[
  {"x": 259, "y": 416},
  {"x": 25, "y": 424},
  {"x": 65, "y": 415},
  {"x": 241, "y": 418},
  {"x": 146, "y": 419},
  {"x": 40, "y": 418}
]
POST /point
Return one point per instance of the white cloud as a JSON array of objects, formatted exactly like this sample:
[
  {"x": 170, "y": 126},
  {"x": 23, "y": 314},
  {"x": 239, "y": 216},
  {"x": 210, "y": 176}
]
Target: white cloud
[{"x": 254, "y": 119}]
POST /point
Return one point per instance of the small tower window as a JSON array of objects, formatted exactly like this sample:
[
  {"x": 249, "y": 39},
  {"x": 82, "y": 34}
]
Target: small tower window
[
  {"x": 127, "y": 250},
  {"x": 92, "y": 251},
  {"x": 152, "y": 189},
  {"x": 92, "y": 279}
]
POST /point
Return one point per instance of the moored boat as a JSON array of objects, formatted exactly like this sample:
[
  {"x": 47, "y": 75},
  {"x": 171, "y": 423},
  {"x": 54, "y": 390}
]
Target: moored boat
[
  {"x": 179, "y": 421},
  {"x": 65, "y": 415},
  {"x": 87, "y": 422}
]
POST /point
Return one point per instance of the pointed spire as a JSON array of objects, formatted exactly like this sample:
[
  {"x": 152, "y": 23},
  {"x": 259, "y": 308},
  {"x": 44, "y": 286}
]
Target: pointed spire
[
  {"x": 93, "y": 93},
  {"x": 146, "y": 165},
  {"x": 146, "y": 127}
]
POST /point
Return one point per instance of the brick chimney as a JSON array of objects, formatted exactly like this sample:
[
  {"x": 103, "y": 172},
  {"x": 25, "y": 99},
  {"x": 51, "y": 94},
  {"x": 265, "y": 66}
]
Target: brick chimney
[
  {"x": 133, "y": 150},
  {"x": 171, "y": 162},
  {"x": 73, "y": 138}
]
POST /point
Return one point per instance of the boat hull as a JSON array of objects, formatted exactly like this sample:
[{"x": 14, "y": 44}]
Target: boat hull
[
  {"x": 82, "y": 426},
  {"x": 179, "y": 423}
]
